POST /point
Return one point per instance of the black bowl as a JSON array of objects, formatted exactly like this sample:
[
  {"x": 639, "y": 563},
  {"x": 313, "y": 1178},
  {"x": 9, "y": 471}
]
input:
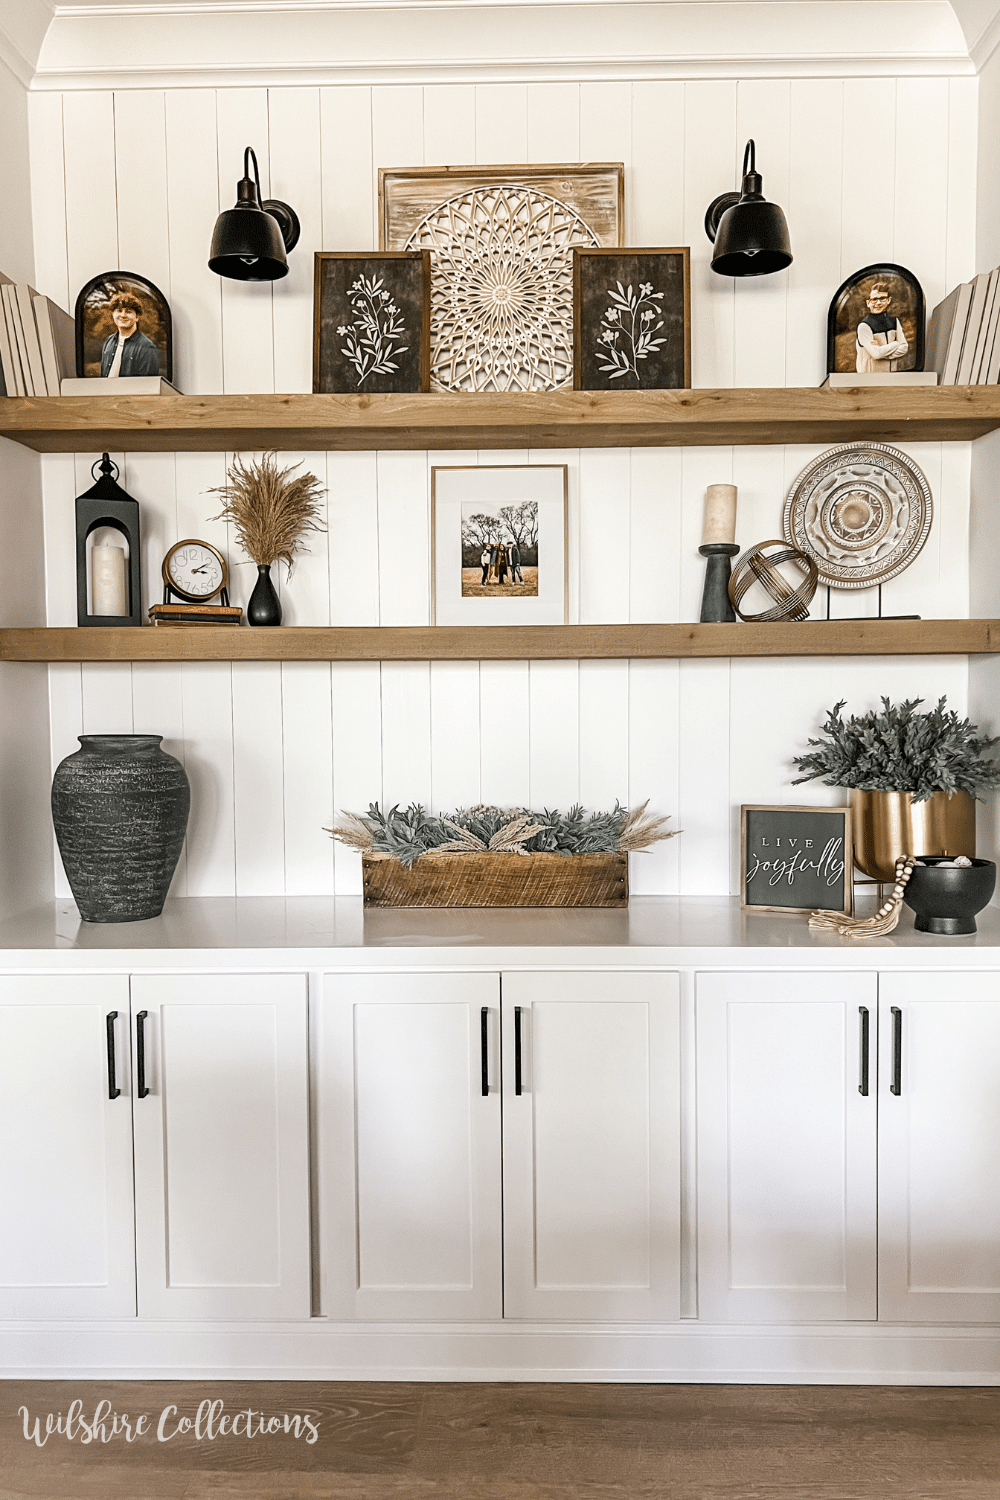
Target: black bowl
[{"x": 946, "y": 901}]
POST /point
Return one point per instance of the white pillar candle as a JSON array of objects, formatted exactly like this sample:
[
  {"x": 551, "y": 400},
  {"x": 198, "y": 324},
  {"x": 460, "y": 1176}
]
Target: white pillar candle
[
  {"x": 108, "y": 583},
  {"x": 720, "y": 514}
]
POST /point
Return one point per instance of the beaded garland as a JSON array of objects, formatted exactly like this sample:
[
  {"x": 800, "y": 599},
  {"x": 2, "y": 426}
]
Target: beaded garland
[{"x": 884, "y": 920}]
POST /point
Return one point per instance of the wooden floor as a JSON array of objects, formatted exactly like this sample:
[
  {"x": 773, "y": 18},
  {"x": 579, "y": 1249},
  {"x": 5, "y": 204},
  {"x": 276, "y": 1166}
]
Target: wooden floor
[{"x": 519, "y": 1442}]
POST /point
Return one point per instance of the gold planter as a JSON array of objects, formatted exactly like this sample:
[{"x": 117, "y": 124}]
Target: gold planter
[{"x": 888, "y": 824}]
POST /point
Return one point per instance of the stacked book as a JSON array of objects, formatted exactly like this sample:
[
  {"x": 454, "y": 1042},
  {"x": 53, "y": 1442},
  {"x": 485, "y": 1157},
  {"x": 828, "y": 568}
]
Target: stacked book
[
  {"x": 963, "y": 345},
  {"x": 37, "y": 342}
]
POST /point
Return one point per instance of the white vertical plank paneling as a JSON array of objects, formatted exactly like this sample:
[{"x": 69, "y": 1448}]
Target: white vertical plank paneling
[
  {"x": 247, "y": 321},
  {"x": 553, "y": 122},
  {"x": 709, "y": 142},
  {"x": 352, "y": 538},
  {"x": 554, "y": 726},
  {"x": 921, "y": 229},
  {"x": 296, "y": 179},
  {"x": 305, "y": 593},
  {"x": 357, "y": 755},
  {"x": 655, "y": 515},
  {"x": 762, "y": 114},
  {"x": 258, "y": 778},
  {"x": 653, "y": 771},
  {"x": 658, "y": 156},
  {"x": 963, "y": 120},
  {"x": 758, "y": 474},
  {"x": 48, "y": 197},
  {"x": 606, "y": 134},
  {"x": 348, "y": 176},
  {"x": 704, "y": 803},
  {"x": 604, "y": 725},
  {"x": 107, "y": 697},
  {"x": 403, "y": 539},
  {"x": 406, "y": 732},
  {"x": 158, "y": 708},
  {"x": 604, "y": 535},
  {"x": 813, "y": 210},
  {"x": 151, "y": 479},
  {"x": 307, "y": 737},
  {"x": 397, "y": 133},
  {"x": 455, "y": 719},
  {"x": 867, "y": 225},
  {"x": 207, "y": 706},
  {"x": 141, "y": 178},
  {"x": 192, "y": 208},
  {"x": 449, "y": 124},
  {"x": 501, "y": 122},
  {"x": 91, "y": 205},
  {"x": 504, "y": 733},
  {"x": 59, "y": 490}
]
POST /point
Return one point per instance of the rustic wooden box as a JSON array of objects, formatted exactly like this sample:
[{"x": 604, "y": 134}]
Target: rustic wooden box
[{"x": 497, "y": 880}]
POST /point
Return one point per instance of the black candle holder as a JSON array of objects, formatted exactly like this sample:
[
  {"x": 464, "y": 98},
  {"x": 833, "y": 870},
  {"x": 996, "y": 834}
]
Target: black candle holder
[{"x": 715, "y": 604}]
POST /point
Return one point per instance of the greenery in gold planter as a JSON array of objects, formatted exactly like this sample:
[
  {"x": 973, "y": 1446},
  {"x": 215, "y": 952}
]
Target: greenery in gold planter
[
  {"x": 409, "y": 833},
  {"x": 901, "y": 750}
]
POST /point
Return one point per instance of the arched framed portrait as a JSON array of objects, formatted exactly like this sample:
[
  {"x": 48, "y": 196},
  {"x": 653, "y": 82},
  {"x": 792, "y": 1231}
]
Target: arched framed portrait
[
  {"x": 876, "y": 323},
  {"x": 123, "y": 328}
]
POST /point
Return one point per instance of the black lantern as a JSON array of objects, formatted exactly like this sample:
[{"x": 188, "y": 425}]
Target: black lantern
[
  {"x": 108, "y": 577},
  {"x": 750, "y": 235},
  {"x": 251, "y": 240}
]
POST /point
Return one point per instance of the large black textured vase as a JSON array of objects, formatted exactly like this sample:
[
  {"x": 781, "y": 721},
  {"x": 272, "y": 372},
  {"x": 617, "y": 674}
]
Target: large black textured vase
[
  {"x": 264, "y": 607},
  {"x": 120, "y": 808}
]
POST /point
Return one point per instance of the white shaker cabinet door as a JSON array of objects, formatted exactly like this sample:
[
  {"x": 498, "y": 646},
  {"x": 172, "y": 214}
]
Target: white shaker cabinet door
[
  {"x": 67, "y": 1247},
  {"x": 939, "y": 1161},
  {"x": 221, "y": 1145},
  {"x": 591, "y": 1146},
  {"x": 786, "y": 1147},
  {"x": 408, "y": 1146}
]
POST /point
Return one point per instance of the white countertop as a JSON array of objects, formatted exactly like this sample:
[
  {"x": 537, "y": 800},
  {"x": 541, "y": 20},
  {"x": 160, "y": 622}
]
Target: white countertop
[{"x": 323, "y": 932}]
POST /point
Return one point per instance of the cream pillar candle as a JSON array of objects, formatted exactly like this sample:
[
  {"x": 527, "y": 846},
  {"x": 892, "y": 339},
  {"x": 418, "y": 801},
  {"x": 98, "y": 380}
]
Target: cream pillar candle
[
  {"x": 108, "y": 582},
  {"x": 720, "y": 514}
]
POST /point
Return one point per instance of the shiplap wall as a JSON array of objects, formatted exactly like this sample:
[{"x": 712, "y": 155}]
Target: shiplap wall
[{"x": 866, "y": 169}]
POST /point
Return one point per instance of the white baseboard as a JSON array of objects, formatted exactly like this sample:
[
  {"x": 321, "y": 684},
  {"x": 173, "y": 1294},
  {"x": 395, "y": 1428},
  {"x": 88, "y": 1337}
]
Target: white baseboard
[{"x": 824, "y": 1354}]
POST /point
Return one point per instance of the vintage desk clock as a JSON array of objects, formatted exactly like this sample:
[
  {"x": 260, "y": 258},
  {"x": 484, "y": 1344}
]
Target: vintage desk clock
[{"x": 194, "y": 572}]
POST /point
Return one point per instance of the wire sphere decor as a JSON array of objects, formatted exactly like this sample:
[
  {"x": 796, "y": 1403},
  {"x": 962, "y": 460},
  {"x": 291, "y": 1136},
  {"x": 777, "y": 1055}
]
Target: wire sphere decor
[{"x": 758, "y": 565}]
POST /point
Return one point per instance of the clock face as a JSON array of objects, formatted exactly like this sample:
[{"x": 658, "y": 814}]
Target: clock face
[{"x": 195, "y": 570}]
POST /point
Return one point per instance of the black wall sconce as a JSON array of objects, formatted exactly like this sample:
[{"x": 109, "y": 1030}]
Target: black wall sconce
[
  {"x": 108, "y": 576},
  {"x": 251, "y": 241},
  {"x": 749, "y": 234}
]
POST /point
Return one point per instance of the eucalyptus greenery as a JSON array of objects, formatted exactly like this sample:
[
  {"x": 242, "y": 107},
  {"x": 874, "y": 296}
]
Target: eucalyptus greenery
[
  {"x": 408, "y": 833},
  {"x": 901, "y": 750}
]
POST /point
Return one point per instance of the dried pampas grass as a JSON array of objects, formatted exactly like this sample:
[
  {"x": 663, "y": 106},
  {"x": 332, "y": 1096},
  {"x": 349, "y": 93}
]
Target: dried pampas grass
[
  {"x": 270, "y": 510},
  {"x": 641, "y": 832}
]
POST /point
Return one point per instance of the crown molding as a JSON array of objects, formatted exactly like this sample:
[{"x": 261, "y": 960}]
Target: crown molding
[
  {"x": 11, "y": 55},
  {"x": 986, "y": 44}
]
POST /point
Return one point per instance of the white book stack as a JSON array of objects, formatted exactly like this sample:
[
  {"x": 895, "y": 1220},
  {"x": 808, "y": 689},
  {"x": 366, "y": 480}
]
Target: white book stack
[
  {"x": 37, "y": 341},
  {"x": 963, "y": 335}
]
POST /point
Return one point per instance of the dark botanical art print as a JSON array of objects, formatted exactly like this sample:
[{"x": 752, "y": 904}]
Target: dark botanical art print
[
  {"x": 123, "y": 328},
  {"x": 875, "y": 325},
  {"x": 632, "y": 320},
  {"x": 371, "y": 324},
  {"x": 796, "y": 858},
  {"x": 500, "y": 550}
]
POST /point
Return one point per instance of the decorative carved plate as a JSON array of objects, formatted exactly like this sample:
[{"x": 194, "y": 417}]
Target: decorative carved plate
[{"x": 863, "y": 511}]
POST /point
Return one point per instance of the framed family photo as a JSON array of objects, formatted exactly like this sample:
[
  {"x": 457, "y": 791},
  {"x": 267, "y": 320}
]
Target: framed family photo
[
  {"x": 796, "y": 859},
  {"x": 371, "y": 322},
  {"x": 499, "y": 551}
]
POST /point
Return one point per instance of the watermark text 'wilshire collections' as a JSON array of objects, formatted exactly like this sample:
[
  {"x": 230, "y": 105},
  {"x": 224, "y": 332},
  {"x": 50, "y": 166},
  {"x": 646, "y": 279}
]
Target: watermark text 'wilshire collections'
[{"x": 210, "y": 1422}]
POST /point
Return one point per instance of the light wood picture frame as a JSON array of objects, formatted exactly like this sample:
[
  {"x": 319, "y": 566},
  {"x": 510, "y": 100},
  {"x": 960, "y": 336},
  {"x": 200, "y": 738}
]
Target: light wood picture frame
[
  {"x": 500, "y": 544},
  {"x": 632, "y": 319},
  {"x": 371, "y": 322},
  {"x": 804, "y": 854}
]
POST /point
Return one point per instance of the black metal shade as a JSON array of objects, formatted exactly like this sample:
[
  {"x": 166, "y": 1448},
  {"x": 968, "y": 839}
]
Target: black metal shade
[
  {"x": 750, "y": 234},
  {"x": 251, "y": 240}
]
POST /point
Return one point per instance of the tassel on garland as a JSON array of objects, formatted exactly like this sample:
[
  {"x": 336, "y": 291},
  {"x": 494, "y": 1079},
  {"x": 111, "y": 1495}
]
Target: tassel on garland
[{"x": 884, "y": 920}]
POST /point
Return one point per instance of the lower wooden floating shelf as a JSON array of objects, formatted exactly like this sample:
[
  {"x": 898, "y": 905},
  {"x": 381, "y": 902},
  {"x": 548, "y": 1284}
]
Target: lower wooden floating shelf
[{"x": 499, "y": 643}]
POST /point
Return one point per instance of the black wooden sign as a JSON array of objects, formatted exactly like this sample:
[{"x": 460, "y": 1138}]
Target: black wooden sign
[
  {"x": 371, "y": 322},
  {"x": 796, "y": 858}
]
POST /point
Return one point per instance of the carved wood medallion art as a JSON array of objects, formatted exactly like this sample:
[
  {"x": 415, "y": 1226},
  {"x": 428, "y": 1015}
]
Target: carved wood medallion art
[{"x": 501, "y": 243}]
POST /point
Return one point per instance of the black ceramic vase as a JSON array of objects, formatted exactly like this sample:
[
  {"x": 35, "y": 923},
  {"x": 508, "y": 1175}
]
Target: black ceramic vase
[
  {"x": 120, "y": 808},
  {"x": 264, "y": 607}
]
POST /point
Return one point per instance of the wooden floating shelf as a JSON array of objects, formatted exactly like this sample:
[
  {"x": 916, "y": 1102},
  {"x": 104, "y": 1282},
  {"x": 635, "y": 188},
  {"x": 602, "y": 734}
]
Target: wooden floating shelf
[
  {"x": 558, "y": 419},
  {"x": 500, "y": 643}
]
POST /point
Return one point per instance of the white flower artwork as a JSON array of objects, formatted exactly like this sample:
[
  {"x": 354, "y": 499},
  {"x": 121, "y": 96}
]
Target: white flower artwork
[
  {"x": 628, "y": 329},
  {"x": 374, "y": 337}
]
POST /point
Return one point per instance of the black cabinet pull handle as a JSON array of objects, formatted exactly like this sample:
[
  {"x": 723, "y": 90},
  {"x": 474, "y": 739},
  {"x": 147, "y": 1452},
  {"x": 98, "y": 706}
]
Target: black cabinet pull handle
[
  {"x": 896, "y": 1086},
  {"x": 517, "y": 1049},
  {"x": 863, "y": 1085},
  {"x": 484, "y": 1048},
  {"x": 113, "y": 1089},
  {"x": 140, "y": 1054}
]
